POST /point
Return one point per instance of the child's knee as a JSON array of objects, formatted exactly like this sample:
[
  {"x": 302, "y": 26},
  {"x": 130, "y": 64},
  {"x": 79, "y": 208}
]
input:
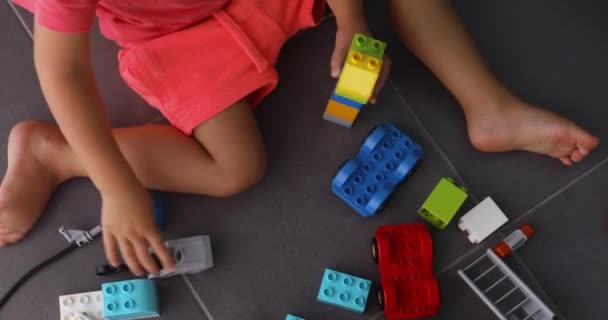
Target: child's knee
[{"x": 244, "y": 175}]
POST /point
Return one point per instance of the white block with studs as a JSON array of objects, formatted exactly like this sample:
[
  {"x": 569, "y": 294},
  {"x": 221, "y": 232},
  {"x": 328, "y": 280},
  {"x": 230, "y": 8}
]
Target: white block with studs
[
  {"x": 81, "y": 306},
  {"x": 482, "y": 220}
]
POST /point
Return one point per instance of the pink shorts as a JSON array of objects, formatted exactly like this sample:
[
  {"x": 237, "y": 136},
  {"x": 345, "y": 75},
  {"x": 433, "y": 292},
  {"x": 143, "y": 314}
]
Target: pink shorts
[{"x": 193, "y": 74}]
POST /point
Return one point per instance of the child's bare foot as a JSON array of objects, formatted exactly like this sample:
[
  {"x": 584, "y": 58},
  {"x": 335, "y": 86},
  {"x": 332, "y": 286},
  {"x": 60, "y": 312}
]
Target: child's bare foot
[
  {"x": 29, "y": 179},
  {"x": 517, "y": 125}
]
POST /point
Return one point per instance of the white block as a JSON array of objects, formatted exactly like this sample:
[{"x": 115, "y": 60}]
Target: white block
[
  {"x": 482, "y": 220},
  {"x": 81, "y": 306},
  {"x": 192, "y": 255}
]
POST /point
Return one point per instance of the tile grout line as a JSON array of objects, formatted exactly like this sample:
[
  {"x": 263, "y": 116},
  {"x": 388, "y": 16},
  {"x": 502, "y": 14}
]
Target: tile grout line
[
  {"x": 434, "y": 142},
  {"x": 540, "y": 287},
  {"x": 197, "y": 298},
  {"x": 468, "y": 254},
  {"x": 557, "y": 193},
  {"x": 520, "y": 260},
  {"x": 21, "y": 20}
]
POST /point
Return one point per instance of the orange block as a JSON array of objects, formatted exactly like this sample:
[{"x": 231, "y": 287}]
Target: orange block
[{"x": 341, "y": 111}]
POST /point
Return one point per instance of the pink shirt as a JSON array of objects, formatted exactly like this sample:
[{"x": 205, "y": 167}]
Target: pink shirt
[{"x": 125, "y": 21}]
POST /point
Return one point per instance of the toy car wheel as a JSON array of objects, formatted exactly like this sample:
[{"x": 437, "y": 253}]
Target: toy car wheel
[
  {"x": 413, "y": 170},
  {"x": 383, "y": 204},
  {"x": 104, "y": 270},
  {"x": 380, "y": 296},
  {"x": 375, "y": 251},
  {"x": 340, "y": 168}
]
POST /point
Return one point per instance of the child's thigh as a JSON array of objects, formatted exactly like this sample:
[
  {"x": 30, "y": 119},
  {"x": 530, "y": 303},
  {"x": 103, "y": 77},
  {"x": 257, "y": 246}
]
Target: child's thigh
[{"x": 232, "y": 138}]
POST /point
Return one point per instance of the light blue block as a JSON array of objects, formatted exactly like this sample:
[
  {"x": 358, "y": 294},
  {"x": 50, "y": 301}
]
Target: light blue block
[
  {"x": 132, "y": 299},
  {"x": 344, "y": 291},
  {"x": 292, "y": 317}
]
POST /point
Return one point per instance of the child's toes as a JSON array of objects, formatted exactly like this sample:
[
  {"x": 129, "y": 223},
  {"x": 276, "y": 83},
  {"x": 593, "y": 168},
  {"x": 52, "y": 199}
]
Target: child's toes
[
  {"x": 576, "y": 156},
  {"x": 9, "y": 237},
  {"x": 566, "y": 161}
]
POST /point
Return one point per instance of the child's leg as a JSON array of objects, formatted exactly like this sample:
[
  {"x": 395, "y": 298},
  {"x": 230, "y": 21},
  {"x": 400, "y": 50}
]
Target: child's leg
[
  {"x": 225, "y": 156},
  {"x": 497, "y": 120}
]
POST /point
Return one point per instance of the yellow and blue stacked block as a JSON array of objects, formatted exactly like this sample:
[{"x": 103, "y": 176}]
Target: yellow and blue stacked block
[{"x": 357, "y": 80}]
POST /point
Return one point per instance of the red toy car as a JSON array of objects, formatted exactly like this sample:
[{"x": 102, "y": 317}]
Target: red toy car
[{"x": 404, "y": 254}]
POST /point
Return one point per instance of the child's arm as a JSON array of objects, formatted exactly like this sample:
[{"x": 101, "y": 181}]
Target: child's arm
[
  {"x": 350, "y": 18},
  {"x": 64, "y": 70}
]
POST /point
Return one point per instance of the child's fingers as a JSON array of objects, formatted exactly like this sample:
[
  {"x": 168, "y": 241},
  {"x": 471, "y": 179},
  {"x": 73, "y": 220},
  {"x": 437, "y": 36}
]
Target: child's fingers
[
  {"x": 340, "y": 51},
  {"x": 111, "y": 249},
  {"x": 143, "y": 255},
  {"x": 161, "y": 251},
  {"x": 566, "y": 161},
  {"x": 126, "y": 249},
  {"x": 386, "y": 67},
  {"x": 336, "y": 62}
]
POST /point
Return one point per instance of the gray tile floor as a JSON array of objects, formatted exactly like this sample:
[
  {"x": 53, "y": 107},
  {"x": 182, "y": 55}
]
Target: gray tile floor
[{"x": 272, "y": 243}]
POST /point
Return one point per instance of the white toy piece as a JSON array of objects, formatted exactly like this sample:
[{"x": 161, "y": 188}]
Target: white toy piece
[
  {"x": 192, "y": 255},
  {"x": 81, "y": 306},
  {"x": 482, "y": 220},
  {"x": 503, "y": 291}
]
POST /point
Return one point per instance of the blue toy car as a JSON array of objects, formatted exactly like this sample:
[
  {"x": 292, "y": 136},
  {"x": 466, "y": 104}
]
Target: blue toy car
[{"x": 385, "y": 159}]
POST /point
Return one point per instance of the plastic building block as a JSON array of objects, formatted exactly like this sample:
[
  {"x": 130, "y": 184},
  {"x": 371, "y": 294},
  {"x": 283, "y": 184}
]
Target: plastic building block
[
  {"x": 443, "y": 203},
  {"x": 192, "y": 255},
  {"x": 159, "y": 207},
  {"x": 344, "y": 291},
  {"x": 132, "y": 299},
  {"x": 336, "y": 120},
  {"x": 358, "y": 77},
  {"x": 385, "y": 159},
  {"x": 502, "y": 290},
  {"x": 81, "y": 306},
  {"x": 368, "y": 45},
  {"x": 80, "y": 237},
  {"x": 482, "y": 220},
  {"x": 346, "y": 101},
  {"x": 341, "y": 111},
  {"x": 404, "y": 255},
  {"x": 514, "y": 241},
  {"x": 291, "y": 317}
]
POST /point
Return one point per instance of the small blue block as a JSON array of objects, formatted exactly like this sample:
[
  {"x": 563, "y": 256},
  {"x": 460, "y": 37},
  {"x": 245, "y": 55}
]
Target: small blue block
[
  {"x": 344, "y": 291},
  {"x": 343, "y": 100},
  {"x": 385, "y": 159},
  {"x": 131, "y": 299},
  {"x": 159, "y": 212},
  {"x": 292, "y": 317}
]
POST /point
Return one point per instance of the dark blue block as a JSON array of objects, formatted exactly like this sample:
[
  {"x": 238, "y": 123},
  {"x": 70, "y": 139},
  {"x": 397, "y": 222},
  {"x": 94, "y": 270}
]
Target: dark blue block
[{"x": 159, "y": 207}]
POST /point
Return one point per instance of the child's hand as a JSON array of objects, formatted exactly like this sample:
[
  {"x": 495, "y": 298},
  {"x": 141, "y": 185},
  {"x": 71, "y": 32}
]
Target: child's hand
[
  {"x": 344, "y": 37},
  {"x": 128, "y": 225}
]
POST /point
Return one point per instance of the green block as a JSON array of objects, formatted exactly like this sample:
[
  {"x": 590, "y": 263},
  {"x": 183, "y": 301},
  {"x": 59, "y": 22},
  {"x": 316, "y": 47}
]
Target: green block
[
  {"x": 368, "y": 45},
  {"x": 443, "y": 203}
]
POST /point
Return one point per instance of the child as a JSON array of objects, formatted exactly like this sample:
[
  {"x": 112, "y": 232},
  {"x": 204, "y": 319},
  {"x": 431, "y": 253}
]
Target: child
[
  {"x": 496, "y": 119},
  {"x": 203, "y": 63}
]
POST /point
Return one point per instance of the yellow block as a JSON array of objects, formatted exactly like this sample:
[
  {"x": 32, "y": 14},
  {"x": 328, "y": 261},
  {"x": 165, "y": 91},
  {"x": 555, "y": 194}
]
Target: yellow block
[
  {"x": 341, "y": 111},
  {"x": 359, "y": 76}
]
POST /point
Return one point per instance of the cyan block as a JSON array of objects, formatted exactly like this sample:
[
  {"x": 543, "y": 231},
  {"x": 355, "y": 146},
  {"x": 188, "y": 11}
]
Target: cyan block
[
  {"x": 292, "y": 317},
  {"x": 131, "y": 299},
  {"x": 346, "y": 101},
  {"x": 344, "y": 291},
  {"x": 385, "y": 159}
]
